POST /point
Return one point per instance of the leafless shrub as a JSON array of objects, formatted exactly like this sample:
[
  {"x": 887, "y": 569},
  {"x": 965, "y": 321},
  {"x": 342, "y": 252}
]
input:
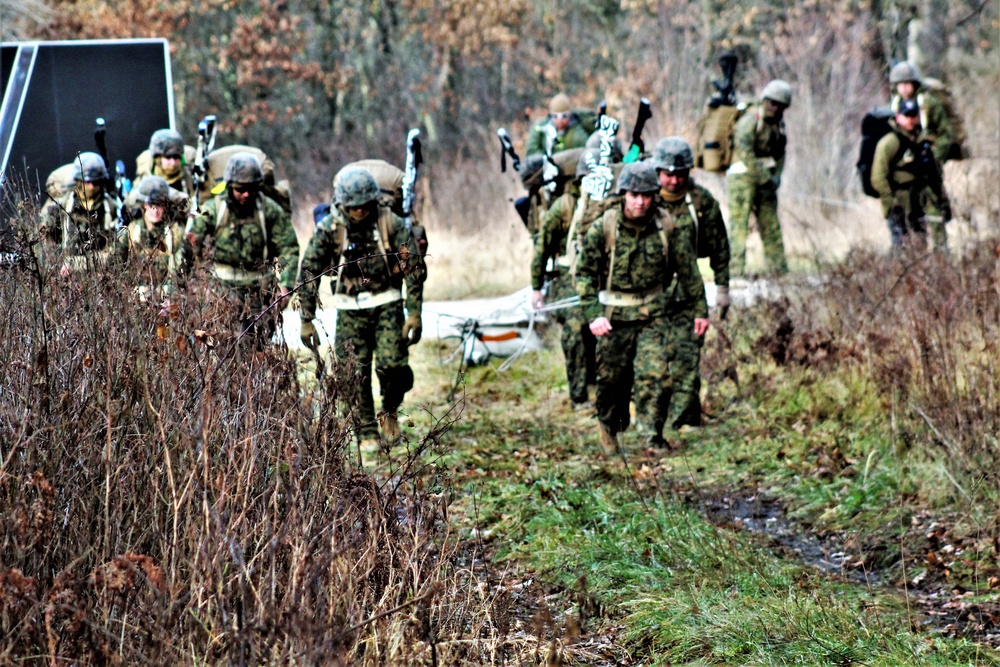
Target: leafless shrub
[{"x": 176, "y": 495}]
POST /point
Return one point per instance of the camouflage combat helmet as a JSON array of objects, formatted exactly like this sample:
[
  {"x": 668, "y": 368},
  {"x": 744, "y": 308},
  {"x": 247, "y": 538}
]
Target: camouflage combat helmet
[
  {"x": 583, "y": 164},
  {"x": 89, "y": 167},
  {"x": 638, "y": 177},
  {"x": 154, "y": 190},
  {"x": 672, "y": 154},
  {"x": 356, "y": 187},
  {"x": 243, "y": 169},
  {"x": 904, "y": 71},
  {"x": 594, "y": 141},
  {"x": 532, "y": 169},
  {"x": 166, "y": 142},
  {"x": 778, "y": 91}
]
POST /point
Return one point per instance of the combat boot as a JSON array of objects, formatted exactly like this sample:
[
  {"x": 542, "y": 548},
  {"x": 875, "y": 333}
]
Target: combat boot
[
  {"x": 609, "y": 440},
  {"x": 389, "y": 422}
]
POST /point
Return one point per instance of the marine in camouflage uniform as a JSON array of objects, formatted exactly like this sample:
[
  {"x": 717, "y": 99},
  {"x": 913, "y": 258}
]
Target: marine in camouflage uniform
[
  {"x": 377, "y": 254},
  {"x": 83, "y": 222},
  {"x": 690, "y": 207},
  {"x": 252, "y": 239},
  {"x": 630, "y": 259},
  {"x": 907, "y": 177},
  {"x": 166, "y": 148},
  {"x": 156, "y": 236},
  {"x": 561, "y": 130},
  {"x": 936, "y": 128},
  {"x": 556, "y": 250},
  {"x": 755, "y": 175}
]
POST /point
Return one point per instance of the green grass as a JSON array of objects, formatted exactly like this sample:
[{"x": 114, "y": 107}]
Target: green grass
[{"x": 631, "y": 542}]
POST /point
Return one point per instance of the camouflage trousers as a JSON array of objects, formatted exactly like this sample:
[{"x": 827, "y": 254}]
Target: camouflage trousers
[
  {"x": 684, "y": 381},
  {"x": 633, "y": 361},
  {"x": 251, "y": 300},
  {"x": 578, "y": 344},
  {"x": 911, "y": 212},
  {"x": 375, "y": 332},
  {"x": 745, "y": 197}
]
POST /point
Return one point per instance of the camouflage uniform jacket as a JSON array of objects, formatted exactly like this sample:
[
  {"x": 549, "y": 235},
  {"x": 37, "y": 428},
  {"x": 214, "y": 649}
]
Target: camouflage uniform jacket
[
  {"x": 759, "y": 146},
  {"x": 575, "y": 136},
  {"x": 640, "y": 265},
  {"x": 369, "y": 263},
  {"x": 160, "y": 246},
  {"x": 248, "y": 243},
  {"x": 709, "y": 228},
  {"x": 551, "y": 239},
  {"x": 896, "y": 167},
  {"x": 79, "y": 230},
  {"x": 935, "y": 121}
]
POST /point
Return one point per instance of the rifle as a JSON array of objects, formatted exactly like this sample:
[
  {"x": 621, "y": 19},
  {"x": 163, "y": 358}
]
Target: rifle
[
  {"x": 635, "y": 150},
  {"x": 725, "y": 94},
  {"x": 120, "y": 185},
  {"x": 602, "y": 111},
  {"x": 199, "y": 170},
  {"x": 414, "y": 158},
  {"x": 507, "y": 148}
]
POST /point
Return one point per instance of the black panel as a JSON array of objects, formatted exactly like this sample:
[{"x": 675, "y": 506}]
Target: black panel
[
  {"x": 71, "y": 86},
  {"x": 7, "y": 54}
]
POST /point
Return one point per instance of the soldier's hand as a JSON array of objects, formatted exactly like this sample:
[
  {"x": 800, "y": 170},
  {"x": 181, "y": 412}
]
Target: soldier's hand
[
  {"x": 722, "y": 300},
  {"x": 537, "y": 299},
  {"x": 308, "y": 335},
  {"x": 700, "y": 326},
  {"x": 601, "y": 326},
  {"x": 412, "y": 328}
]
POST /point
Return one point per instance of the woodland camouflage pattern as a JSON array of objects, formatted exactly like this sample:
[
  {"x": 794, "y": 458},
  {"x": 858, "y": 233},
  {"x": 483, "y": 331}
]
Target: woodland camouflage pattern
[
  {"x": 240, "y": 243},
  {"x": 578, "y": 343},
  {"x": 756, "y": 190},
  {"x": 373, "y": 331},
  {"x": 684, "y": 402},
  {"x": 637, "y": 350}
]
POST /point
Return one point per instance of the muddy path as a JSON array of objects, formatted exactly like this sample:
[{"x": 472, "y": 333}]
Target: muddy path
[{"x": 922, "y": 575}]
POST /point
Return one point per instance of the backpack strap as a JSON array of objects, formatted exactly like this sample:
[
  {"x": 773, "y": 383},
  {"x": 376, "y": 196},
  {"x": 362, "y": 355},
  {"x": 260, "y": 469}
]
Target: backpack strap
[
  {"x": 693, "y": 211},
  {"x": 222, "y": 219},
  {"x": 609, "y": 224},
  {"x": 572, "y": 253}
]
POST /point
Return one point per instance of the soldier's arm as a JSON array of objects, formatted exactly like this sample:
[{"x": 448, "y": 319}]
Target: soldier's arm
[
  {"x": 940, "y": 128},
  {"x": 588, "y": 270},
  {"x": 684, "y": 260},
  {"x": 320, "y": 253},
  {"x": 881, "y": 166},
  {"x": 743, "y": 147},
  {"x": 198, "y": 227},
  {"x": 411, "y": 262},
  {"x": 285, "y": 241},
  {"x": 714, "y": 241},
  {"x": 546, "y": 241},
  {"x": 51, "y": 221},
  {"x": 536, "y": 141}
]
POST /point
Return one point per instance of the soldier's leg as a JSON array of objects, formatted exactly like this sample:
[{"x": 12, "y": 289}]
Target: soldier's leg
[
  {"x": 684, "y": 403},
  {"x": 741, "y": 195},
  {"x": 766, "y": 206},
  {"x": 356, "y": 330},
  {"x": 573, "y": 346},
  {"x": 896, "y": 219},
  {"x": 937, "y": 214},
  {"x": 651, "y": 387},
  {"x": 392, "y": 357},
  {"x": 615, "y": 353}
]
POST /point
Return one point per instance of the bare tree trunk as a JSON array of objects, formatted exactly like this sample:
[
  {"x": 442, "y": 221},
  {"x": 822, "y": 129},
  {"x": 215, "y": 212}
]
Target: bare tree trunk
[{"x": 928, "y": 43}]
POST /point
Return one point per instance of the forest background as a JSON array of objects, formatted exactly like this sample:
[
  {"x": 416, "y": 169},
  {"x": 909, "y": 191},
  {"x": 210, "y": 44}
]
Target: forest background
[{"x": 318, "y": 84}]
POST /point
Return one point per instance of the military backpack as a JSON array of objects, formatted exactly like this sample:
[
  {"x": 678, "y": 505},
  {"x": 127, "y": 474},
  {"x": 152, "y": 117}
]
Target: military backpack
[{"x": 713, "y": 151}]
